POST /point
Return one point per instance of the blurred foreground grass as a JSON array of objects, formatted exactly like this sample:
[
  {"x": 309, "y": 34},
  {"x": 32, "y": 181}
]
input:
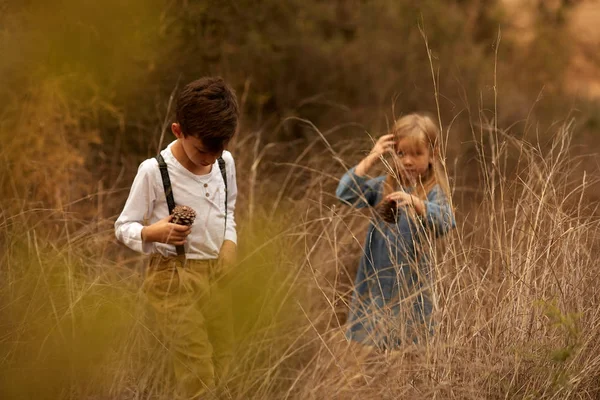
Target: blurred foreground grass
[{"x": 75, "y": 328}]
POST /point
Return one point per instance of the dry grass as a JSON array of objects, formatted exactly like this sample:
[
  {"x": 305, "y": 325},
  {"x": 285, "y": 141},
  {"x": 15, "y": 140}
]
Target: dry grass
[{"x": 516, "y": 289}]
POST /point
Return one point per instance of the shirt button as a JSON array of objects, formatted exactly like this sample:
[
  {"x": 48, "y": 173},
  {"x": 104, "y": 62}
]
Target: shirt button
[
  {"x": 206, "y": 185},
  {"x": 207, "y": 194}
]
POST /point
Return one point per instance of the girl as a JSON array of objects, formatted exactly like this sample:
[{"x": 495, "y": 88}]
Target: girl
[{"x": 391, "y": 302}]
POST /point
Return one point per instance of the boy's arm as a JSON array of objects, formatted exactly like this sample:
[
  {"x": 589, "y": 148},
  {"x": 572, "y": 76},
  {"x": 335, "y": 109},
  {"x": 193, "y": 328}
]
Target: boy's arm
[
  {"x": 230, "y": 231},
  {"x": 139, "y": 206},
  {"x": 227, "y": 254},
  {"x": 129, "y": 228}
]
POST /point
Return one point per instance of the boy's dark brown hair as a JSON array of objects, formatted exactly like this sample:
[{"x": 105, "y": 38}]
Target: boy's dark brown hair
[{"x": 208, "y": 110}]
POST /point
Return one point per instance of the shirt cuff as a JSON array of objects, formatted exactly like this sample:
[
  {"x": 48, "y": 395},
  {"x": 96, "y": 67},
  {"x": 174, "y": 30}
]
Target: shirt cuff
[
  {"x": 352, "y": 171},
  {"x": 231, "y": 234},
  {"x": 136, "y": 241}
]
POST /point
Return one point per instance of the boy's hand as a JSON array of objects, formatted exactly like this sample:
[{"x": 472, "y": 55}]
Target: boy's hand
[
  {"x": 227, "y": 257},
  {"x": 164, "y": 231},
  {"x": 404, "y": 199},
  {"x": 383, "y": 145}
]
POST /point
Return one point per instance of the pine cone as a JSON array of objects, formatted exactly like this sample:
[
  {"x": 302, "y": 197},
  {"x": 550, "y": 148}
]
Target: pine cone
[
  {"x": 388, "y": 211},
  {"x": 183, "y": 215}
]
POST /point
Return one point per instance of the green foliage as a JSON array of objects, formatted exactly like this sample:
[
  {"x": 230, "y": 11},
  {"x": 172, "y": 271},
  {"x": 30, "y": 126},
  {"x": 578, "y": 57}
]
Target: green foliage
[
  {"x": 267, "y": 305},
  {"x": 331, "y": 62},
  {"x": 358, "y": 54},
  {"x": 72, "y": 328},
  {"x": 569, "y": 341},
  {"x": 106, "y": 46},
  {"x": 60, "y": 329}
]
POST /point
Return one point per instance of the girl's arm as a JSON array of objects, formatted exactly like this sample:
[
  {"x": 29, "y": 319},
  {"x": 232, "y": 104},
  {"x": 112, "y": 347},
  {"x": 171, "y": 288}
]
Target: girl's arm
[
  {"x": 383, "y": 145},
  {"x": 354, "y": 188},
  {"x": 358, "y": 191},
  {"x": 437, "y": 214}
]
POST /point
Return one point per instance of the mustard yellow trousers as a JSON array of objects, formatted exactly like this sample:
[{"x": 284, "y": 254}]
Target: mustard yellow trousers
[{"x": 193, "y": 315}]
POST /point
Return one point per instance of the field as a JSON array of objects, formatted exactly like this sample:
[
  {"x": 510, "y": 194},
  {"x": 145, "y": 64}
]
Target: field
[{"x": 516, "y": 283}]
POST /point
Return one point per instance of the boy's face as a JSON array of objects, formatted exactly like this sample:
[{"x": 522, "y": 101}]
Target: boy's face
[{"x": 195, "y": 150}]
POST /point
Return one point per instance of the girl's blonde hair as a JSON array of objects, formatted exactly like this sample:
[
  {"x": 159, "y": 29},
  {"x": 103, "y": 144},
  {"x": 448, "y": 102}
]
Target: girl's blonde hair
[{"x": 423, "y": 130}]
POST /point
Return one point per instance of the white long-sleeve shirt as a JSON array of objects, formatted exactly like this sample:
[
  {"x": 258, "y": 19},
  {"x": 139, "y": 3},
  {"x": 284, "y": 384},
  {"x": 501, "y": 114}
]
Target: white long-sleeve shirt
[{"x": 204, "y": 193}]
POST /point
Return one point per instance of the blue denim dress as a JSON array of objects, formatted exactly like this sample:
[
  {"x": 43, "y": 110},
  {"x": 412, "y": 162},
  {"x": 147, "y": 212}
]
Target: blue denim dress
[{"x": 392, "y": 301}]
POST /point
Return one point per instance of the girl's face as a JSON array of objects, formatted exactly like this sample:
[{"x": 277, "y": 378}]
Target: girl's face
[{"x": 412, "y": 159}]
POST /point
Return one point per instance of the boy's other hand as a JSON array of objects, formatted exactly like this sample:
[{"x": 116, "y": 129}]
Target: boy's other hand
[
  {"x": 164, "y": 231},
  {"x": 227, "y": 257}
]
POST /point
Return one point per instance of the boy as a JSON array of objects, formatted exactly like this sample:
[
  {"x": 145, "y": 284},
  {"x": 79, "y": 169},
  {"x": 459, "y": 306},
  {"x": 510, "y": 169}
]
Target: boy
[{"x": 182, "y": 285}]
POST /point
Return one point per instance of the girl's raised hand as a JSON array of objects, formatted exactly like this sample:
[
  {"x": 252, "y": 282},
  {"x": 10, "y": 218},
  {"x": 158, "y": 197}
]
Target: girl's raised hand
[{"x": 383, "y": 145}]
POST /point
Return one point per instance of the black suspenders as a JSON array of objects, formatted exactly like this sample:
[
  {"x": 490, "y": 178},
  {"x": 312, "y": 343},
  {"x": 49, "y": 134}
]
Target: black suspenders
[
  {"x": 164, "y": 173},
  {"x": 224, "y": 175}
]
